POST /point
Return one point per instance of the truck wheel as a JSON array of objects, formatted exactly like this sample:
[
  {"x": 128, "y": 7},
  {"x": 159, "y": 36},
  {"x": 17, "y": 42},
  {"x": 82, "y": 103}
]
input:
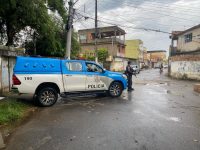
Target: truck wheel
[
  {"x": 115, "y": 89},
  {"x": 47, "y": 97}
]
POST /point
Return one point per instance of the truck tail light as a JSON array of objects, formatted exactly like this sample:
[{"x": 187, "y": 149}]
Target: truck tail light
[{"x": 15, "y": 80}]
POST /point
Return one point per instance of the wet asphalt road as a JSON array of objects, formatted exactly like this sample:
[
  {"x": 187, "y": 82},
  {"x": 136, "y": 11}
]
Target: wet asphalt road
[{"x": 161, "y": 114}]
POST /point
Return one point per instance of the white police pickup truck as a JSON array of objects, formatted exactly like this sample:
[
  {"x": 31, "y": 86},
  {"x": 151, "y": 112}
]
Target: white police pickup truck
[{"x": 45, "y": 78}]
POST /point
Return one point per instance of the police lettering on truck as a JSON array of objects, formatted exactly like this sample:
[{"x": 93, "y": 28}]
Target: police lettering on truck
[
  {"x": 47, "y": 78},
  {"x": 97, "y": 84}
]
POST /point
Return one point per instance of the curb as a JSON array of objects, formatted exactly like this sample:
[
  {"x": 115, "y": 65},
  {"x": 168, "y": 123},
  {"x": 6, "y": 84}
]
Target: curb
[{"x": 2, "y": 145}]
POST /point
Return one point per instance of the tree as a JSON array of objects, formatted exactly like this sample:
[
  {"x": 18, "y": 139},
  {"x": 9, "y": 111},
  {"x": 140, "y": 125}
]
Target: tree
[
  {"x": 75, "y": 46},
  {"x": 102, "y": 54},
  {"x": 18, "y": 15},
  {"x": 15, "y": 15},
  {"x": 90, "y": 58}
]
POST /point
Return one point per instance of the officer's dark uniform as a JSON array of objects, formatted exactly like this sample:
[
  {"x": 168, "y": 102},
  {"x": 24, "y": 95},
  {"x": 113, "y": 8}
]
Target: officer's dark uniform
[{"x": 129, "y": 73}]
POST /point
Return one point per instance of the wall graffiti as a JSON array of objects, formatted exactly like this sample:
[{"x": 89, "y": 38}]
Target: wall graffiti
[{"x": 189, "y": 69}]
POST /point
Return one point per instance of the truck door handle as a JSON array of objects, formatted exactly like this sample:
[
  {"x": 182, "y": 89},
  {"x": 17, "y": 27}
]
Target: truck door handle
[{"x": 68, "y": 75}]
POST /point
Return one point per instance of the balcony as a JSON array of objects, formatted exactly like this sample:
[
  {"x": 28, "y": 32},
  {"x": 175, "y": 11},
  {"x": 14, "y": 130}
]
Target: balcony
[{"x": 104, "y": 41}]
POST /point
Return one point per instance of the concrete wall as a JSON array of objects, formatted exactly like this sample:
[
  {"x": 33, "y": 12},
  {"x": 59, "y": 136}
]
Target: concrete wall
[
  {"x": 190, "y": 46},
  {"x": 185, "y": 67},
  {"x": 6, "y": 71},
  {"x": 7, "y": 62},
  {"x": 113, "y": 50}
]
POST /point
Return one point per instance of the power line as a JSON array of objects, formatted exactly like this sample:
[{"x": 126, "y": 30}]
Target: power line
[
  {"x": 133, "y": 6},
  {"x": 131, "y": 27},
  {"x": 151, "y": 19},
  {"x": 115, "y": 20},
  {"x": 89, "y": 4},
  {"x": 160, "y": 5},
  {"x": 153, "y": 3}
]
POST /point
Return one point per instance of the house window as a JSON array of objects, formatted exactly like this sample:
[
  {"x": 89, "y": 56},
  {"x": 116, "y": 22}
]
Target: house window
[
  {"x": 82, "y": 37},
  {"x": 188, "y": 38}
]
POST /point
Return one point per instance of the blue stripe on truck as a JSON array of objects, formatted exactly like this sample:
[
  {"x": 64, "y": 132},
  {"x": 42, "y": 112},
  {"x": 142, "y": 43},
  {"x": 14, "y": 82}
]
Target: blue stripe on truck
[{"x": 37, "y": 65}]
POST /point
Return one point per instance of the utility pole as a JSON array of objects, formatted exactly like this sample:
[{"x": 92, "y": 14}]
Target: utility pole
[
  {"x": 69, "y": 28},
  {"x": 96, "y": 33}
]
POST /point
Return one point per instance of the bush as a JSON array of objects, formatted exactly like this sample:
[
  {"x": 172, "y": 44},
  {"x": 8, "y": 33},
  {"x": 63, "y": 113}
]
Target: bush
[{"x": 11, "y": 110}]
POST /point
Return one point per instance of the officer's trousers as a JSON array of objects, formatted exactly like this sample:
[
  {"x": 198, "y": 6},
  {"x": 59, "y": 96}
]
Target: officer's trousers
[{"x": 129, "y": 81}]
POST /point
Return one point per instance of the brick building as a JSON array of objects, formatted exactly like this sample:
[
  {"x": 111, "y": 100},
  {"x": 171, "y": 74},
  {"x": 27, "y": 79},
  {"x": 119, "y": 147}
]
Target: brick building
[
  {"x": 111, "y": 38},
  {"x": 156, "y": 57}
]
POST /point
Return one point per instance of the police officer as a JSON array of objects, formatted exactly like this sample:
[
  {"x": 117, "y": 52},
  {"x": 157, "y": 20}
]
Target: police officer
[{"x": 129, "y": 73}]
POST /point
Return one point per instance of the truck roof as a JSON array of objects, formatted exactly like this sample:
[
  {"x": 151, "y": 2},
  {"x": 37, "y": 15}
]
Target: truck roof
[
  {"x": 40, "y": 65},
  {"x": 36, "y": 64}
]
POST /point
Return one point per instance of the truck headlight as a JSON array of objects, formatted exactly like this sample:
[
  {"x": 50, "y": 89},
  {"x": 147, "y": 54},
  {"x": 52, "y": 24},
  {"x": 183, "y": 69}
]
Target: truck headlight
[{"x": 124, "y": 76}]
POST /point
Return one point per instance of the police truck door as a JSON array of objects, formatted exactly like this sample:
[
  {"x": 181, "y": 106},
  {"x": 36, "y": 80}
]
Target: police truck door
[
  {"x": 95, "y": 79},
  {"x": 74, "y": 77}
]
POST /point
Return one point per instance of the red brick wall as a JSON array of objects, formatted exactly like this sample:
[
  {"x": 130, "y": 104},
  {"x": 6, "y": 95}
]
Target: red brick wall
[{"x": 185, "y": 58}]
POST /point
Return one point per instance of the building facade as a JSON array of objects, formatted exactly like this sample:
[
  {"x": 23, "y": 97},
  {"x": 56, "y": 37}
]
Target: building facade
[
  {"x": 184, "y": 58},
  {"x": 185, "y": 42},
  {"x": 156, "y": 57},
  {"x": 135, "y": 51},
  {"x": 111, "y": 38}
]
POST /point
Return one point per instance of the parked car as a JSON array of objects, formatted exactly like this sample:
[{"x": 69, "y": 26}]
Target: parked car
[
  {"x": 136, "y": 68},
  {"x": 165, "y": 66},
  {"x": 47, "y": 78}
]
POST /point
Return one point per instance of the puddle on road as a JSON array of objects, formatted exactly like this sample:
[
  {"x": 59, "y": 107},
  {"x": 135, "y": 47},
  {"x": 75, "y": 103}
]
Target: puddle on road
[
  {"x": 156, "y": 114},
  {"x": 157, "y": 84},
  {"x": 175, "y": 119},
  {"x": 153, "y": 82},
  {"x": 152, "y": 92},
  {"x": 162, "y": 90}
]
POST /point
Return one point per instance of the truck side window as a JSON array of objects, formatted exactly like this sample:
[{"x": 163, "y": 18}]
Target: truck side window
[
  {"x": 93, "y": 68},
  {"x": 74, "y": 66}
]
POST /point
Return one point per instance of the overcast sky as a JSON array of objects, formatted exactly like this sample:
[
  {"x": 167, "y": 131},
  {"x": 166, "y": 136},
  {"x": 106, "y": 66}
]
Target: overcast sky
[{"x": 135, "y": 15}]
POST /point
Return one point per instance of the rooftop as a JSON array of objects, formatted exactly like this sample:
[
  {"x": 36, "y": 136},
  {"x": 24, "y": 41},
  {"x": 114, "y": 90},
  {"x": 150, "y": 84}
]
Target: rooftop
[
  {"x": 175, "y": 34},
  {"x": 195, "y": 27},
  {"x": 106, "y": 31},
  {"x": 155, "y": 51}
]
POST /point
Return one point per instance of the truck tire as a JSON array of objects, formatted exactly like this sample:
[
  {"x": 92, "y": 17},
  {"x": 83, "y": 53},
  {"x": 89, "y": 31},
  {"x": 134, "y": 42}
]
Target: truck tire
[
  {"x": 47, "y": 97},
  {"x": 115, "y": 89}
]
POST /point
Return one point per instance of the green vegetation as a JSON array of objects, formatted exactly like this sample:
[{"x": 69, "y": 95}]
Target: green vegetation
[
  {"x": 44, "y": 31},
  {"x": 11, "y": 110},
  {"x": 90, "y": 58},
  {"x": 102, "y": 55}
]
